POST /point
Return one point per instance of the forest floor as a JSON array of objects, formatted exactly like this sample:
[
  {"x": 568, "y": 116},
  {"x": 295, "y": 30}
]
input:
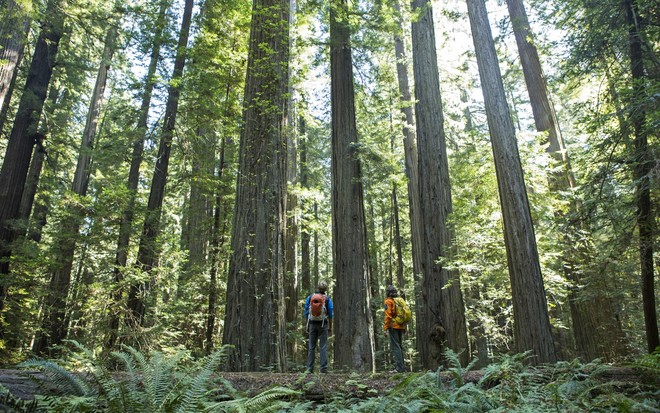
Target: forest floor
[{"x": 25, "y": 384}]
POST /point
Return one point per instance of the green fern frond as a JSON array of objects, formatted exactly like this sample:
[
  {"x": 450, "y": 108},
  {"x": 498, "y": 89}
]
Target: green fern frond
[
  {"x": 134, "y": 377},
  {"x": 158, "y": 379},
  {"x": 198, "y": 386},
  {"x": 504, "y": 366},
  {"x": 137, "y": 357},
  {"x": 70, "y": 403},
  {"x": 81, "y": 353},
  {"x": 262, "y": 400},
  {"x": 474, "y": 396},
  {"x": 455, "y": 368},
  {"x": 233, "y": 393},
  {"x": 649, "y": 362},
  {"x": 62, "y": 379},
  {"x": 302, "y": 408},
  {"x": 15, "y": 405}
]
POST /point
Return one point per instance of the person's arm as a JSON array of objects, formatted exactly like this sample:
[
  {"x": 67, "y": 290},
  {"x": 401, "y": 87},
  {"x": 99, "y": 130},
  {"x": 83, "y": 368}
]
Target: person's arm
[
  {"x": 330, "y": 315},
  {"x": 306, "y": 313},
  {"x": 389, "y": 310},
  {"x": 306, "y": 309}
]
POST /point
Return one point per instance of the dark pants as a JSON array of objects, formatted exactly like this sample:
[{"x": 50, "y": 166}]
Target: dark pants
[
  {"x": 318, "y": 331},
  {"x": 396, "y": 337}
]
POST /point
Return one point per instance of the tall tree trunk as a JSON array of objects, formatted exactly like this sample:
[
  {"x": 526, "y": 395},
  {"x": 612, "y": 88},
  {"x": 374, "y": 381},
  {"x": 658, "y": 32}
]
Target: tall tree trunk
[
  {"x": 400, "y": 282},
  {"x": 396, "y": 228},
  {"x": 255, "y": 312},
  {"x": 409, "y": 143},
  {"x": 315, "y": 272},
  {"x": 199, "y": 211},
  {"x": 32, "y": 181},
  {"x": 128, "y": 212},
  {"x": 440, "y": 304},
  {"x": 586, "y": 331},
  {"x": 139, "y": 293},
  {"x": 40, "y": 209},
  {"x": 532, "y": 329},
  {"x": 354, "y": 341},
  {"x": 19, "y": 148},
  {"x": 13, "y": 31},
  {"x": 216, "y": 244},
  {"x": 305, "y": 236},
  {"x": 54, "y": 324},
  {"x": 292, "y": 213},
  {"x": 643, "y": 165}
]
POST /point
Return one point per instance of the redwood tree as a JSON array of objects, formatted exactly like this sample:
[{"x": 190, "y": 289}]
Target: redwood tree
[
  {"x": 532, "y": 329},
  {"x": 21, "y": 140},
  {"x": 13, "y": 30},
  {"x": 643, "y": 164},
  {"x": 354, "y": 343},
  {"x": 255, "y": 310},
  {"x": 440, "y": 307}
]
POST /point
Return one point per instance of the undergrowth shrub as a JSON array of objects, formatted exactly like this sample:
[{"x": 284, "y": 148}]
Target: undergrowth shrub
[
  {"x": 174, "y": 382},
  {"x": 155, "y": 383}
]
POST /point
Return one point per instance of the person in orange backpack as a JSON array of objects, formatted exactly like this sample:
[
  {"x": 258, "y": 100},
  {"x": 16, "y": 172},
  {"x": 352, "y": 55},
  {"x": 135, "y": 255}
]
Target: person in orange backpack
[
  {"x": 318, "y": 316},
  {"x": 393, "y": 329}
]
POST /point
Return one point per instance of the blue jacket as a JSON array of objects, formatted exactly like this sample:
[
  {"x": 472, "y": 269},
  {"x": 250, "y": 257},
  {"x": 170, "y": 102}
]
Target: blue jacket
[{"x": 328, "y": 306}]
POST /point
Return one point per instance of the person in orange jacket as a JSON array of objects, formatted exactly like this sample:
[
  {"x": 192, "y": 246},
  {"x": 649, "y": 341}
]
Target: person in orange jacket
[{"x": 394, "y": 330}]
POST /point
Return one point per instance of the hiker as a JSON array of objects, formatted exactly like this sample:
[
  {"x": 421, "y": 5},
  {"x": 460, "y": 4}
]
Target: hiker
[
  {"x": 318, "y": 316},
  {"x": 395, "y": 326}
]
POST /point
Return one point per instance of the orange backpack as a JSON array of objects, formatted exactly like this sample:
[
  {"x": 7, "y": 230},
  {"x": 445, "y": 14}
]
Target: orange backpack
[{"x": 317, "y": 310}]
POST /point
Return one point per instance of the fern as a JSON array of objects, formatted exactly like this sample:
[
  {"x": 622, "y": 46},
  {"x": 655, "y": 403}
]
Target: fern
[
  {"x": 302, "y": 407},
  {"x": 649, "y": 362},
  {"x": 197, "y": 388},
  {"x": 456, "y": 370},
  {"x": 10, "y": 403},
  {"x": 262, "y": 402},
  {"x": 62, "y": 379}
]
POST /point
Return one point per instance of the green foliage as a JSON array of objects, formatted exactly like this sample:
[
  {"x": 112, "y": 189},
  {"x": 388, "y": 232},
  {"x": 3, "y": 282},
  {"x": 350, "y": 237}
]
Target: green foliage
[
  {"x": 650, "y": 362},
  {"x": 14, "y": 404},
  {"x": 160, "y": 382},
  {"x": 455, "y": 369},
  {"x": 169, "y": 382},
  {"x": 509, "y": 385},
  {"x": 267, "y": 401}
]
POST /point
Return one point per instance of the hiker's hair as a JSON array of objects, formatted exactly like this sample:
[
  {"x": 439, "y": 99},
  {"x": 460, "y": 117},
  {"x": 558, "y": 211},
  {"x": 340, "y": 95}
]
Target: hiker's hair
[
  {"x": 322, "y": 287},
  {"x": 391, "y": 291}
]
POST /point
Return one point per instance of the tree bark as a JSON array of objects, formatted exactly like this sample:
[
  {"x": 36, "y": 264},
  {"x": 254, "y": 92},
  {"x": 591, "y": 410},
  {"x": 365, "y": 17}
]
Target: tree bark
[
  {"x": 255, "y": 312},
  {"x": 305, "y": 236},
  {"x": 315, "y": 272},
  {"x": 409, "y": 143},
  {"x": 400, "y": 282},
  {"x": 643, "y": 165},
  {"x": 216, "y": 244},
  {"x": 440, "y": 303},
  {"x": 19, "y": 147},
  {"x": 32, "y": 181},
  {"x": 139, "y": 293},
  {"x": 13, "y": 31},
  {"x": 354, "y": 341},
  {"x": 199, "y": 222},
  {"x": 587, "y": 332},
  {"x": 292, "y": 212},
  {"x": 532, "y": 329}
]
